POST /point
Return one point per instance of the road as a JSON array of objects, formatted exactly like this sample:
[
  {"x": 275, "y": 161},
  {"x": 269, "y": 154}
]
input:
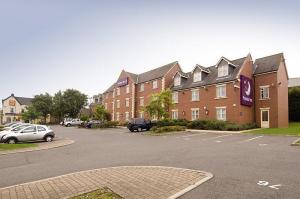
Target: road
[{"x": 244, "y": 166}]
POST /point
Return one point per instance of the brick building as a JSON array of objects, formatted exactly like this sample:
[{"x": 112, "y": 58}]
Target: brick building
[{"x": 238, "y": 91}]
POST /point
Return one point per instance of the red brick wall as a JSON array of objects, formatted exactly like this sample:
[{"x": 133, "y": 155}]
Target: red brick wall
[
  {"x": 246, "y": 113},
  {"x": 271, "y": 80},
  {"x": 147, "y": 93},
  {"x": 208, "y": 100},
  {"x": 169, "y": 76},
  {"x": 282, "y": 84}
]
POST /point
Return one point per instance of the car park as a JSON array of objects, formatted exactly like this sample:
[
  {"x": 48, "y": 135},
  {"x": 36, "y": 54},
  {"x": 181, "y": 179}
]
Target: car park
[
  {"x": 139, "y": 124},
  {"x": 28, "y": 133}
]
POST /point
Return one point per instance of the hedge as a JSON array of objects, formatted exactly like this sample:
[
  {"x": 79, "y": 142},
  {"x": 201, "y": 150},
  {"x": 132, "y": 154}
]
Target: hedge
[
  {"x": 165, "y": 129},
  {"x": 109, "y": 124},
  {"x": 205, "y": 124}
]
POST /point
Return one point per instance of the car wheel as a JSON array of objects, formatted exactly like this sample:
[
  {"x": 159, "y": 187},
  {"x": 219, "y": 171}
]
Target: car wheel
[
  {"x": 48, "y": 138},
  {"x": 11, "y": 141},
  {"x": 68, "y": 125},
  {"x": 131, "y": 130}
]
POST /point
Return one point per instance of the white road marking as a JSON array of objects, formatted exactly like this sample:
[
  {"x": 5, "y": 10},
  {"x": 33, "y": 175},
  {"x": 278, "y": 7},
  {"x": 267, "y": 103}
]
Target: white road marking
[
  {"x": 252, "y": 139},
  {"x": 275, "y": 186},
  {"x": 218, "y": 141},
  {"x": 186, "y": 136},
  {"x": 263, "y": 183},
  {"x": 221, "y": 136},
  {"x": 263, "y": 144}
]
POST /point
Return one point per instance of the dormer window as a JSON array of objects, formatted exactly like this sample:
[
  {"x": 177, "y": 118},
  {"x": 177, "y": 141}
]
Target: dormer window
[
  {"x": 222, "y": 70},
  {"x": 197, "y": 76},
  {"x": 177, "y": 80}
]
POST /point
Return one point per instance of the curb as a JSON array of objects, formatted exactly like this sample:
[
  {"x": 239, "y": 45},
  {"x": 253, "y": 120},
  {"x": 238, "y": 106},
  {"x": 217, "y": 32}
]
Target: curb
[
  {"x": 38, "y": 148},
  {"x": 295, "y": 143}
]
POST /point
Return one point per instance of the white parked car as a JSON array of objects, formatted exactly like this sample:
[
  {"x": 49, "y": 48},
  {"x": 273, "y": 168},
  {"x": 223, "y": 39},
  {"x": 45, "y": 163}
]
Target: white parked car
[
  {"x": 73, "y": 122},
  {"x": 29, "y": 133}
]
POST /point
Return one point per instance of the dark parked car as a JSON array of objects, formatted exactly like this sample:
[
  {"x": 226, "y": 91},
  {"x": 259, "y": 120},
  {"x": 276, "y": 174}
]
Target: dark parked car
[
  {"x": 92, "y": 122},
  {"x": 139, "y": 124}
]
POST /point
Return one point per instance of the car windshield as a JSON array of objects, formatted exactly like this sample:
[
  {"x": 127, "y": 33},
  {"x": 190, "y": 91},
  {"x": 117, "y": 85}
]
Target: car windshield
[{"x": 15, "y": 125}]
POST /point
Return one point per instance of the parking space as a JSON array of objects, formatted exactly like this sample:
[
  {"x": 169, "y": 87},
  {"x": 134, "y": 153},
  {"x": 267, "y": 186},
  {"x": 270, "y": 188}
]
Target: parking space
[{"x": 244, "y": 165}]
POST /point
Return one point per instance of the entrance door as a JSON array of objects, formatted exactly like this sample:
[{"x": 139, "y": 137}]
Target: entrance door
[{"x": 265, "y": 118}]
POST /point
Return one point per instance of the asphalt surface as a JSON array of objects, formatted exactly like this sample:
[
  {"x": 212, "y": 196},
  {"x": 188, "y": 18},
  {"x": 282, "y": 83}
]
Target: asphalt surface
[{"x": 244, "y": 166}]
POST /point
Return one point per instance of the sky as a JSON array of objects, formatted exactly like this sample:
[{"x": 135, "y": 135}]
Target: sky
[{"x": 47, "y": 46}]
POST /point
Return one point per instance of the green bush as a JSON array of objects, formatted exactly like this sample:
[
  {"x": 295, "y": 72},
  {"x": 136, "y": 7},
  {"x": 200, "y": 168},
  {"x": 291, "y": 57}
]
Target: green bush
[
  {"x": 1, "y": 127},
  {"x": 165, "y": 129},
  {"x": 219, "y": 125},
  {"x": 108, "y": 124},
  {"x": 84, "y": 118},
  {"x": 170, "y": 122}
]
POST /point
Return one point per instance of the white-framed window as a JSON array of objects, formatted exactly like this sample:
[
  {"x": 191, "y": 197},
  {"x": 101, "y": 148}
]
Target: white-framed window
[
  {"x": 264, "y": 92},
  {"x": 142, "y": 87},
  {"x": 127, "y": 116},
  {"x": 222, "y": 70},
  {"x": 221, "y": 113},
  {"x": 118, "y": 103},
  {"x": 105, "y": 105},
  {"x": 197, "y": 76},
  {"x": 127, "y": 102},
  {"x": 141, "y": 114},
  {"x": 118, "y": 91},
  {"x": 154, "y": 84},
  {"x": 117, "y": 116},
  {"x": 195, "y": 113},
  {"x": 175, "y": 97},
  {"x": 141, "y": 101},
  {"x": 177, "y": 80},
  {"x": 127, "y": 89},
  {"x": 221, "y": 91},
  {"x": 195, "y": 95},
  {"x": 174, "y": 114}
]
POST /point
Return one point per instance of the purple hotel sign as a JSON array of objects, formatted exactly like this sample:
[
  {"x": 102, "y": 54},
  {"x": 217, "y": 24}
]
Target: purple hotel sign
[
  {"x": 246, "y": 91},
  {"x": 123, "y": 82}
]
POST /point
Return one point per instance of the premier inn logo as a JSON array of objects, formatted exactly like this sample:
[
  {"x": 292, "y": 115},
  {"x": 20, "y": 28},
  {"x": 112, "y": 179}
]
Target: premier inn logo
[{"x": 246, "y": 91}]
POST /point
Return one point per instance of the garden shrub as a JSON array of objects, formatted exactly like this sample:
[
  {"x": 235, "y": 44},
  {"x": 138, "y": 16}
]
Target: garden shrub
[
  {"x": 219, "y": 125},
  {"x": 1, "y": 127},
  {"x": 107, "y": 124},
  {"x": 170, "y": 122},
  {"x": 165, "y": 129}
]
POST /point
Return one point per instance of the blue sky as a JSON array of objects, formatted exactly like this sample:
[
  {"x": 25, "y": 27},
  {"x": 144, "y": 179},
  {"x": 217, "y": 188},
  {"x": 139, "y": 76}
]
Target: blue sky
[{"x": 46, "y": 46}]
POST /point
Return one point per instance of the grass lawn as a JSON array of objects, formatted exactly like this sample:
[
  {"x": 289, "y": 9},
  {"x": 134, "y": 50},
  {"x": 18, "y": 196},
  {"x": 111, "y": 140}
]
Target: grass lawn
[
  {"x": 293, "y": 129},
  {"x": 16, "y": 146},
  {"x": 103, "y": 193}
]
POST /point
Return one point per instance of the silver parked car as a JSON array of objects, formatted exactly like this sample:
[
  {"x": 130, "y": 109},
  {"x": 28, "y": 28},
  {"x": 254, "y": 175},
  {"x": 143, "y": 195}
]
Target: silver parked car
[
  {"x": 29, "y": 133},
  {"x": 73, "y": 122}
]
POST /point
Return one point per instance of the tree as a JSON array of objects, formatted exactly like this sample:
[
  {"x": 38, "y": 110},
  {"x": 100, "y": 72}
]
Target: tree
[
  {"x": 294, "y": 104},
  {"x": 43, "y": 104},
  {"x": 160, "y": 104},
  {"x": 30, "y": 114},
  {"x": 59, "y": 106},
  {"x": 100, "y": 113},
  {"x": 74, "y": 100}
]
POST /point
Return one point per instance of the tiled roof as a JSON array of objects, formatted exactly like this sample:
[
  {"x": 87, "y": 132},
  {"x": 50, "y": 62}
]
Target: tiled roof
[
  {"x": 212, "y": 76},
  {"x": 21, "y": 100},
  {"x": 155, "y": 73},
  {"x": 147, "y": 76},
  {"x": 293, "y": 82},
  {"x": 267, "y": 64}
]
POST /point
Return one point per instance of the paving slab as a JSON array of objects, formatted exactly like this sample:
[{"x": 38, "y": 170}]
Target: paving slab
[{"x": 130, "y": 182}]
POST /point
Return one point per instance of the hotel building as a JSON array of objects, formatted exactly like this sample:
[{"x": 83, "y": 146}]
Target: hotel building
[{"x": 240, "y": 91}]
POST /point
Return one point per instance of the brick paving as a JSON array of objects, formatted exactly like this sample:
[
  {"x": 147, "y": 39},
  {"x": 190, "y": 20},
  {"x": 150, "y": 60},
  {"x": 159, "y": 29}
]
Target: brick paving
[
  {"x": 130, "y": 182},
  {"x": 41, "y": 146}
]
